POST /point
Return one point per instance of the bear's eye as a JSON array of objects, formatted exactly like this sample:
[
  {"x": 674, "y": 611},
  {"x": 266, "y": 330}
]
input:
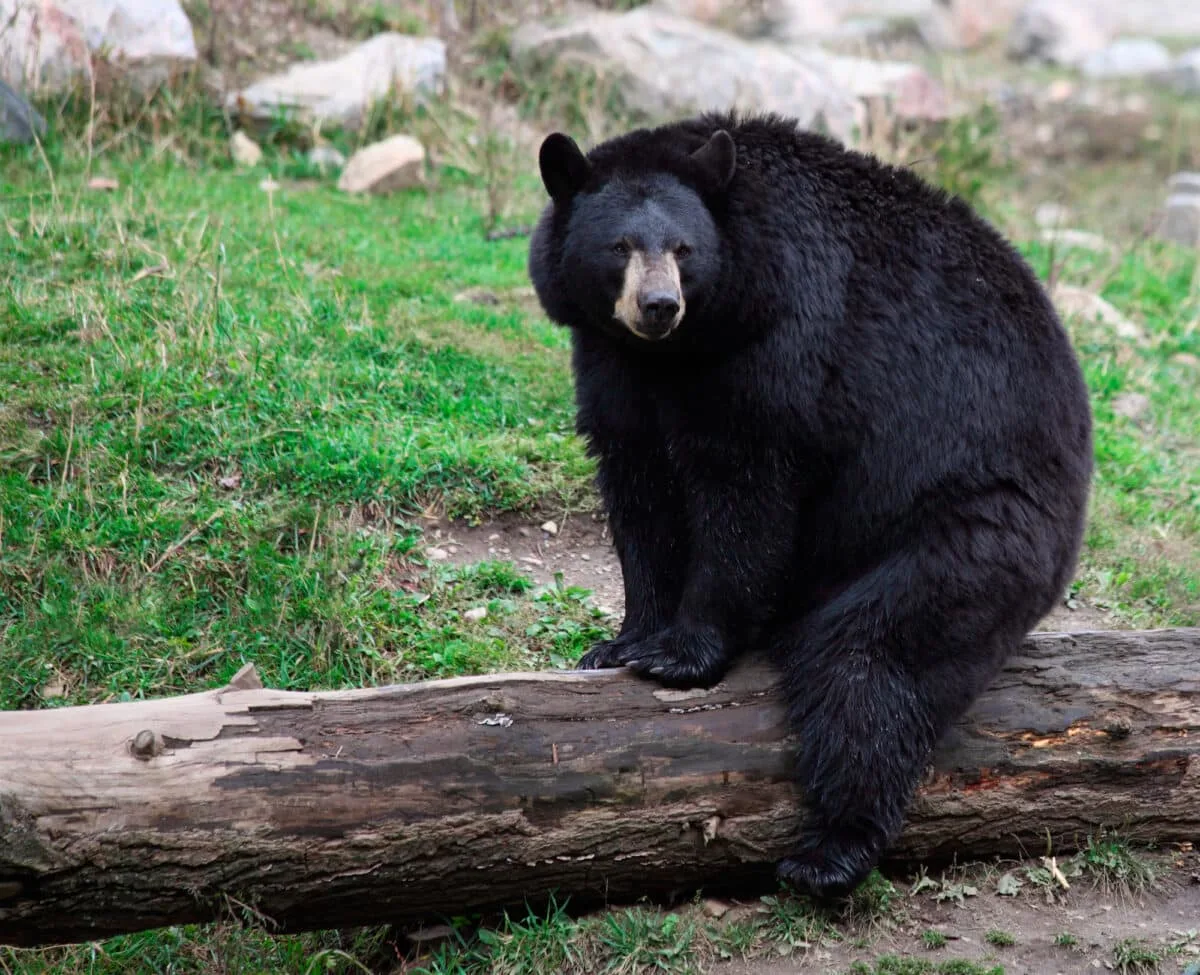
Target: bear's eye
[
  {"x": 620, "y": 248},
  {"x": 682, "y": 251}
]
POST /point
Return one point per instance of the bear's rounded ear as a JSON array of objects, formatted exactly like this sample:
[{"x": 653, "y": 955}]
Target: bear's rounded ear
[
  {"x": 718, "y": 158},
  {"x": 564, "y": 166}
]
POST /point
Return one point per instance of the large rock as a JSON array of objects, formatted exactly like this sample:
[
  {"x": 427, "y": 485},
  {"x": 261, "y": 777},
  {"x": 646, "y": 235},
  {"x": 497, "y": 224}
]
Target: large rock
[
  {"x": 1127, "y": 57},
  {"x": 396, "y": 163},
  {"x": 959, "y": 25},
  {"x": 341, "y": 91},
  {"x": 664, "y": 64},
  {"x": 1184, "y": 72},
  {"x": 1061, "y": 32},
  {"x": 908, "y": 90},
  {"x": 48, "y": 44},
  {"x": 1181, "y": 216},
  {"x": 773, "y": 18},
  {"x": 19, "y": 121}
]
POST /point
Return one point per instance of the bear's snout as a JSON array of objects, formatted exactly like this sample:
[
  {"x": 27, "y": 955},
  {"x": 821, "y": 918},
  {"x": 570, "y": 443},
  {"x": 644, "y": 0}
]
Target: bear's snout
[
  {"x": 651, "y": 303},
  {"x": 659, "y": 309}
]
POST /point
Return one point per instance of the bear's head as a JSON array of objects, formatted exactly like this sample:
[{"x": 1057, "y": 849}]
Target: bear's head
[{"x": 627, "y": 248}]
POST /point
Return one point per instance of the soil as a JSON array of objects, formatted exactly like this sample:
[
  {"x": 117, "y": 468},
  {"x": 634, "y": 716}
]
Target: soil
[
  {"x": 581, "y": 549},
  {"x": 1097, "y": 921}
]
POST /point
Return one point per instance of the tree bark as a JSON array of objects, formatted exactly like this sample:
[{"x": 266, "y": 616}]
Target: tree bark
[{"x": 400, "y": 803}]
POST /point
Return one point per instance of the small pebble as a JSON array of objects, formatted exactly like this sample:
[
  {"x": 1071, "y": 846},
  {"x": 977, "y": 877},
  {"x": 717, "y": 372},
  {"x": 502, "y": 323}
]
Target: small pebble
[
  {"x": 550, "y": 527},
  {"x": 437, "y": 554},
  {"x": 477, "y": 613}
]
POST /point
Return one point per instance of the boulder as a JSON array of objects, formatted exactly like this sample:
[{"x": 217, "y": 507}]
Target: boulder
[
  {"x": 908, "y": 90},
  {"x": 1127, "y": 57},
  {"x": 341, "y": 91},
  {"x": 1181, "y": 215},
  {"x": 1060, "y": 32},
  {"x": 1185, "y": 183},
  {"x": 776, "y": 19},
  {"x": 664, "y": 65},
  {"x": 960, "y": 25},
  {"x": 396, "y": 163},
  {"x": 1184, "y": 72},
  {"x": 49, "y": 44},
  {"x": 19, "y": 121}
]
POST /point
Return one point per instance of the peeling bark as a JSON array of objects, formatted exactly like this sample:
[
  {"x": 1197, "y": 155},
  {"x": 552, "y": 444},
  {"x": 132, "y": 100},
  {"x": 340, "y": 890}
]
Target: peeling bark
[{"x": 399, "y": 803}]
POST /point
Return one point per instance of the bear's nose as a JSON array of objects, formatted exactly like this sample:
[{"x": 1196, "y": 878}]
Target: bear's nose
[{"x": 658, "y": 308}]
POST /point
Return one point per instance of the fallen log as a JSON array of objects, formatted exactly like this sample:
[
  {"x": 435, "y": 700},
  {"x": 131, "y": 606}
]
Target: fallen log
[{"x": 400, "y": 803}]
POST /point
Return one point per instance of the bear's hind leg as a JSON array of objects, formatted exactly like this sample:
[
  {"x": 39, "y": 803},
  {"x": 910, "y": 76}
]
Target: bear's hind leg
[{"x": 874, "y": 678}]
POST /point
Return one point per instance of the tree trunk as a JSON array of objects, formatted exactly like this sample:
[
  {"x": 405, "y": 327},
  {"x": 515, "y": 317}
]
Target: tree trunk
[{"x": 400, "y": 803}]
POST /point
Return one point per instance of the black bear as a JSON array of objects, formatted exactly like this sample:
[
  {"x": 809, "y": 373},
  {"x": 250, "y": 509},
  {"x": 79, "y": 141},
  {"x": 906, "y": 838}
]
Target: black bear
[{"x": 836, "y": 420}]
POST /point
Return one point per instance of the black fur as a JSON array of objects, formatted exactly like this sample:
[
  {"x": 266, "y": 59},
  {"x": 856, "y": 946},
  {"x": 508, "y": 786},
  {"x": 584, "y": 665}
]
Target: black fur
[{"x": 866, "y": 449}]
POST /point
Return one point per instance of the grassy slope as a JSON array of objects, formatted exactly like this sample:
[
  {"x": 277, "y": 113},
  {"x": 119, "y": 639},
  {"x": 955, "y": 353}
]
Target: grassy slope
[{"x": 223, "y": 410}]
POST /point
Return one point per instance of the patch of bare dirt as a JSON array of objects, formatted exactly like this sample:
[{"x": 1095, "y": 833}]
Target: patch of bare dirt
[
  {"x": 1093, "y": 921},
  {"x": 581, "y": 549}
]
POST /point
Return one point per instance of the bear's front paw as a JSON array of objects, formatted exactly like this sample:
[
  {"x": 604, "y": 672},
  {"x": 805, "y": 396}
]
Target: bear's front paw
[
  {"x": 679, "y": 656},
  {"x": 604, "y": 654},
  {"x": 830, "y": 865}
]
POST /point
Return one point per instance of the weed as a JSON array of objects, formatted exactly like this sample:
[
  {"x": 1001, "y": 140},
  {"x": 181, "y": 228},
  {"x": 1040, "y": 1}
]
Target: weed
[
  {"x": 736, "y": 940},
  {"x": 1134, "y": 956},
  {"x": 534, "y": 945},
  {"x": 1064, "y": 939},
  {"x": 1114, "y": 865},
  {"x": 894, "y": 965},
  {"x": 793, "y": 923},
  {"x": 999, "y": 939},
  {"x": 873, "y": 900},
  {"x": 637, "y": 940},
  {"x": 934, "y": 939}
]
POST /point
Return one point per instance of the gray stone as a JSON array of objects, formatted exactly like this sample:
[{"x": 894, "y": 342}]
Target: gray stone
[
  {"x": 910, "y": 91},
  {"x": 396, "y": 163},
  {"x": 326, "y": 157},
  {"x": 1184, "y": 72},
  {"x": 341, "y": 91},
  {"x": 1132, "y": 406},
  {"x": 1076, "y": 239},
  {"x": 1060, "y": 32},
  {"x": 19, "y": 121},
  {"x": 959, "y": 25},
  {"x": 1051, "y": 215},
  {"x": 1127, "y": 57},
  {"x": 245, "y": 151},
  {"x": 1072, "y": 301},
  {"x": 49, "y": 44},
  {"x": 664, "y": 65},
  {"x": 1181, "y": 219},
  {"x": 1185, "y": 183}
]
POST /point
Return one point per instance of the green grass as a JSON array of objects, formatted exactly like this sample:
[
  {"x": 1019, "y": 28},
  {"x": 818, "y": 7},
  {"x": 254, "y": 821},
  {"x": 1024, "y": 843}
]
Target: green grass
[
  {"x": 894, "y": 965},
  {"x": 1134, "y": 956},
  {"x": 224, "y": 410},
  {"x": 222, "y": 413},
  {"x": 1114, "y": 864}
]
